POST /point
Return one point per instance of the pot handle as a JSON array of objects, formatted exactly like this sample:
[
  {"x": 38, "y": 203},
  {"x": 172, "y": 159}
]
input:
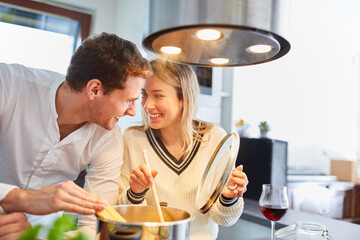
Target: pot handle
[{"x": 126, "y": 234}]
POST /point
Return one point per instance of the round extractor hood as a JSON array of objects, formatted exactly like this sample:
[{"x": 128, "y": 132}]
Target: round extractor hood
[{"x": 223, "y": 33}]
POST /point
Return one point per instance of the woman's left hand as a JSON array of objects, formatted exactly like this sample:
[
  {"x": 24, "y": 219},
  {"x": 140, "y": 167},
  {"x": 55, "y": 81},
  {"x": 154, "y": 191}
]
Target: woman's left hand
[{"x": 237, "y": 184}]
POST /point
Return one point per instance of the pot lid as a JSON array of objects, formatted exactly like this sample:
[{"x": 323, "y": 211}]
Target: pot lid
[{"x": 217, "y": 172}]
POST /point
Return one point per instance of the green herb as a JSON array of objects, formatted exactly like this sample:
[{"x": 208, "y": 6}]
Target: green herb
[
  {"x": 61, "y": 225},
  {"x": 30, "y": 233}
]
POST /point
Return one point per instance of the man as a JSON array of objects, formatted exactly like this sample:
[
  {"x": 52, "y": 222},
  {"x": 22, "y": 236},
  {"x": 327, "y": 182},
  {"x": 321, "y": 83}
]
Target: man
[{"x": 51, "y": 128}]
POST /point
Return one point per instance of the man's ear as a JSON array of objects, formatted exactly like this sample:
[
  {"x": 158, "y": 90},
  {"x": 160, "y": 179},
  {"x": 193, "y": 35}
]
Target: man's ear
[{"x": 94, "y": 88}]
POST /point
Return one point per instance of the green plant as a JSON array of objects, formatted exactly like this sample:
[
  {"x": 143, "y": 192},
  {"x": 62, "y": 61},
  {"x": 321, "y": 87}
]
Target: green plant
[
  {"x": 61, "y": 225},
  {"x": 264, "y": 126}
]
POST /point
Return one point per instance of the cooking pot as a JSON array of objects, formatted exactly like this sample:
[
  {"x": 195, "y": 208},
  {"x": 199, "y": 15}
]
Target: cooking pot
[{"x": 143, "y": 221}]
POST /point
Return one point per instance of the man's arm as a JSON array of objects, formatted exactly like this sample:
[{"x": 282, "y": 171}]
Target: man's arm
[{"x": 66, "y": 196}]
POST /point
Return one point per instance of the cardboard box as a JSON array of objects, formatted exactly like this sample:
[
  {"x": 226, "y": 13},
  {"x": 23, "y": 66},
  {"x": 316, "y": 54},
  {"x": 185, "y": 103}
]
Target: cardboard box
[{"x": 345, "y": 170}]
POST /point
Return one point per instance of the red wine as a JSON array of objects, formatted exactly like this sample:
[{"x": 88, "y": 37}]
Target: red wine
[{"x": 272, "y": 212}]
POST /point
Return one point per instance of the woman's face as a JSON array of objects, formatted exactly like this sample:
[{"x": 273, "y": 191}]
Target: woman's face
[{"x": 161, "y": 104}]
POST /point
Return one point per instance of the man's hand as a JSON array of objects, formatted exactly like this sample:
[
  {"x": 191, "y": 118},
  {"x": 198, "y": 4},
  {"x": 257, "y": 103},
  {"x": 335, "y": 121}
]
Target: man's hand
[
  {"x": 12, "y": 226},
  {"x": 65, "y": 196}
]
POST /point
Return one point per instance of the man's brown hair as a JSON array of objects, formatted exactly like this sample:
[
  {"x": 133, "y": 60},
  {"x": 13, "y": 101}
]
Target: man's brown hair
[{"x": 108, "y": 58}]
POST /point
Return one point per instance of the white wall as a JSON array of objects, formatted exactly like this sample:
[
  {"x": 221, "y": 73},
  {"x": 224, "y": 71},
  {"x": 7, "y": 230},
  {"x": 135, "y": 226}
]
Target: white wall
[{"x": 310, "y": 96}]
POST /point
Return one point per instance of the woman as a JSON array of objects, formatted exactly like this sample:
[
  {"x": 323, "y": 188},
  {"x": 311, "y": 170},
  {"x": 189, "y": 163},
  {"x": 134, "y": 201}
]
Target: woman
[{"x": 179, "y": 148}]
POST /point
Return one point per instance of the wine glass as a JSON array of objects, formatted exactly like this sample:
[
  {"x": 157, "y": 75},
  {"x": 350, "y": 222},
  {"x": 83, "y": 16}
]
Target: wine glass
[{"x": 273, "y": 203}]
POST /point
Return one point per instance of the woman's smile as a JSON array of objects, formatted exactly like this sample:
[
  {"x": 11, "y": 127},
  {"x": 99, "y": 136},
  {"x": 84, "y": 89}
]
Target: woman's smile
[{"x": 154, "y": 115}]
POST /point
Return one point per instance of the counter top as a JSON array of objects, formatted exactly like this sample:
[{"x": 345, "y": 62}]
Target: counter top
[{"x": 253, "y": 225}]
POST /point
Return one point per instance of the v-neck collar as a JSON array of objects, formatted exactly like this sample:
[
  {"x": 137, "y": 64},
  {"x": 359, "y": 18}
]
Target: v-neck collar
[{"x": 178, "y": 166}]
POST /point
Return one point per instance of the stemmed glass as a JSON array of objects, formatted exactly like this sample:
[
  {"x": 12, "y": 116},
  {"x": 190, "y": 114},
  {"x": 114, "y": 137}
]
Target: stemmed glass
[{"x": 273, "y": 203}]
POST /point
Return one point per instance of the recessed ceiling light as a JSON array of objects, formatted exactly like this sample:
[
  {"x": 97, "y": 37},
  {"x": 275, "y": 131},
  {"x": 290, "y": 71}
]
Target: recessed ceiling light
[
  {"x": 259, "y": 48},
  {"x": 170, "y": 50},
  {"x": 208, "y": 34},
  {"x": 219, "y": 60}
]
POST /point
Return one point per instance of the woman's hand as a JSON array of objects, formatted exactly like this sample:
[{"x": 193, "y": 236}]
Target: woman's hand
[
  {"x": 141, "y": 178},
  {"x": 12, "y": 226},
  {"x": 238, "y": 180}
]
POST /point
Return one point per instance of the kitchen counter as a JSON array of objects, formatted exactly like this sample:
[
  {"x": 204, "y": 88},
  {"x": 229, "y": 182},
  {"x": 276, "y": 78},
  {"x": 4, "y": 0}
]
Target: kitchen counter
[{"x": 253, "y": 225}]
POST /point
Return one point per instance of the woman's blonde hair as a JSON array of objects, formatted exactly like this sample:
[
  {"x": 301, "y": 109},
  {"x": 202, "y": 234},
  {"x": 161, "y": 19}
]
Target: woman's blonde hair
[{"x": 184, "y": 79}]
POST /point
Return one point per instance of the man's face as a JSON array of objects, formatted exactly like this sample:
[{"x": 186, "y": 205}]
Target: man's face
[{"x": 107, "y": 109}]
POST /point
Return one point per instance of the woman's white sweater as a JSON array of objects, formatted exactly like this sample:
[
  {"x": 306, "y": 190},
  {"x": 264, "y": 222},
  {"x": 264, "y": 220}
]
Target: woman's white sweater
[{"x": 177, "y": 183}]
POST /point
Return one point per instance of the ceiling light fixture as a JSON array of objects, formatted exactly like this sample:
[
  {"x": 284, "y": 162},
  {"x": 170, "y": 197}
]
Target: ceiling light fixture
[
  {"x": 207, "y": 29},
  {"x": 208, "y": 34},
  {"x": 170, "y": 50},
  {"x": 219, "y": 61},
  {"x": 259, "y": 48}
]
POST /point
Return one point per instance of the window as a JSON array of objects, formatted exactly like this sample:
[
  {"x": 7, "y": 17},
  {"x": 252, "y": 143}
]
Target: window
[{"x": 40, "y": 35}]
